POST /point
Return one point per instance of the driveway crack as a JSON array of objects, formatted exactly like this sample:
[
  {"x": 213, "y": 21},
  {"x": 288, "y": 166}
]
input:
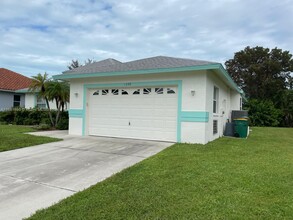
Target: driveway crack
[{"x": 41, "y": 183}]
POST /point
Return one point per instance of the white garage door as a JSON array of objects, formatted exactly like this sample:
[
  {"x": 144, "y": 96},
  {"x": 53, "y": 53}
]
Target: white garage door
[{"x": 141, "y": 113}]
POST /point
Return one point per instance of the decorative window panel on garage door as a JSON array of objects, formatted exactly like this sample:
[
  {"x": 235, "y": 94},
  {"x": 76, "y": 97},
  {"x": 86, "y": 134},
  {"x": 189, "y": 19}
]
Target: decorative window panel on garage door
[{"x": 142, "y": 113}]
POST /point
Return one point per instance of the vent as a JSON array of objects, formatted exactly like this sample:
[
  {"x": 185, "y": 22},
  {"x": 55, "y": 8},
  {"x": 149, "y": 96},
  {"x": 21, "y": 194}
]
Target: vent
[{"x": 215, "y": 126}]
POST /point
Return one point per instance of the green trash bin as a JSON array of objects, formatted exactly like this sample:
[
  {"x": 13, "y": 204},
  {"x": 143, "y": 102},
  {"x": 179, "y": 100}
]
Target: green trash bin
[{"x": 241, "y": 127}]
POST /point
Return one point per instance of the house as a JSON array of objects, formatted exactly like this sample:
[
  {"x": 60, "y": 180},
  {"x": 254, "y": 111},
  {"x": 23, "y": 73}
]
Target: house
[
  {"x": 158, "y": 98},
  {"x": 14, "y": 92},
  {"x": 10, "y": 83}
]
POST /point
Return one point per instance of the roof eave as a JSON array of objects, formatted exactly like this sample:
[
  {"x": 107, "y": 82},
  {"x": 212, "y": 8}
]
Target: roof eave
[
  {"x": 213, "y": 66},
  {"x": 135, "y": 72}
]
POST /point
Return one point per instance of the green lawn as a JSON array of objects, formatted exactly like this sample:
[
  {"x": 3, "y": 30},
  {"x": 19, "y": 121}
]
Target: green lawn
[
  {"x": 13, "y": 137},
  {"x": 225, "y": 179}
]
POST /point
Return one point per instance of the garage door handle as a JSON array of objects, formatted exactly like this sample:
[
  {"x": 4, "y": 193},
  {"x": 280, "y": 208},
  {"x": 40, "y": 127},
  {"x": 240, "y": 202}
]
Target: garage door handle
[{"x": 128, "y": 123}]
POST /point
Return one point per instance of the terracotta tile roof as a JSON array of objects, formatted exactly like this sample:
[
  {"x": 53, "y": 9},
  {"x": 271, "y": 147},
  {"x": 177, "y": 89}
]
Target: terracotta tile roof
[{"x": 10, "y": 80}]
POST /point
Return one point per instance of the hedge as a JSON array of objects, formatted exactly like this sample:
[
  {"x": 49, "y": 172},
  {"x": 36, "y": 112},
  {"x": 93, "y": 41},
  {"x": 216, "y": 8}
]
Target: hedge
[{"x": 34, "y": 116}]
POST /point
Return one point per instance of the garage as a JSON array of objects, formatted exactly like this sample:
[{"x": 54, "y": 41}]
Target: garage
[{"x": 142, "y": 113}]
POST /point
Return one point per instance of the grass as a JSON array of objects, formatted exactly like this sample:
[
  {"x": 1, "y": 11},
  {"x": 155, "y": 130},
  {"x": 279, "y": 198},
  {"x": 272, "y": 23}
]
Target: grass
[
  {"x": 13, "y": 137},
  {"x": 225, "y": 179}
]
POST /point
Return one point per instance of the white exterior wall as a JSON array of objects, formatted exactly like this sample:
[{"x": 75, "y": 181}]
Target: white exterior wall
[
  {"x": 201, "y": 81},
  {"x": 30, "y": 100},
  {"x": 228, "y": 100},
  {"x": 192, "y": 132}
]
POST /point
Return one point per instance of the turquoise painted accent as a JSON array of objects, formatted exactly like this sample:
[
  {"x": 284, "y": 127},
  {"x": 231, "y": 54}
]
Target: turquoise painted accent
[
  {"x": 228, "y": 77},
  {"x": 26, "y": 90},
  {"x": 215, "y": 66},
  {"x": 177, "y": 83},
  {"x": 192, "y": 116},
  {"x": 136, "y": 72},
  {"x": 76, "y": 113}
]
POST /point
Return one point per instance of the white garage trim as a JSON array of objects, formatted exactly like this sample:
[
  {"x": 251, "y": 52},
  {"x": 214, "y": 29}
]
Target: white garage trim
[{"x": 177, "y": 83}]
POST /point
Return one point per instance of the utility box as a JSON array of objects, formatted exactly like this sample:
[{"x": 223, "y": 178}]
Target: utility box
[
  {"x": 229, "y": 129},
  {"x": 239, "y": 114}
]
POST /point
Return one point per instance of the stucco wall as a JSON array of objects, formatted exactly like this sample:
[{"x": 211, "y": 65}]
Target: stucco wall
[
  {"x": 228, "y": 101},
  {"x": 200, "y": 81},
  {"x": 30, "y": 100},
  {"x": 6, "y": 100}
]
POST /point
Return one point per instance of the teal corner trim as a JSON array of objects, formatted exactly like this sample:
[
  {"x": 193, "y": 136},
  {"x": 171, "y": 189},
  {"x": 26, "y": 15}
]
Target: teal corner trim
[
  {"x": 177, "y": 83},
  {"x": 194, "y": 116},
  {"x": 76, "y": 113}
]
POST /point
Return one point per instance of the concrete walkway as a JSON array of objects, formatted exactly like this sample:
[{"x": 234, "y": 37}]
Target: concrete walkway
[{"x": 36, "y": 177}]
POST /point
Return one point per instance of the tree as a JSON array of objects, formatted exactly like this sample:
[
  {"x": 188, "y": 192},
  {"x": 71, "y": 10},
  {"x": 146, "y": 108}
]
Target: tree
[
  {"x": 39, "y": 84},
  {"x": 261, "y": 73},
  {"x": 75, "y": 63},
  {"x": 59, "y": 92},
  {"x": 266, "y": 77},
  {"x": 51, "y": 90}
]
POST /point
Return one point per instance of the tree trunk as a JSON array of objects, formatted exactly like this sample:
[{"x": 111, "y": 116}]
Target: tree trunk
[
  {"x": 58, "y": 114},
  {"x": 49, "y": 112}
]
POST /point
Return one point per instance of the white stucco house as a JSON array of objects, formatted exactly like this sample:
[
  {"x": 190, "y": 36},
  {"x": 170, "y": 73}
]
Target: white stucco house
[{"x": 158, "y": 98}]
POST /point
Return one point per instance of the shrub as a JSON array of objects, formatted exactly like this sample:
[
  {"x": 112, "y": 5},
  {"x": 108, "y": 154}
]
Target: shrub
[
  {"x": 35, "y": 116},
  {"x": 7, "y": 116},
  {"x": 263, "y": 113}
]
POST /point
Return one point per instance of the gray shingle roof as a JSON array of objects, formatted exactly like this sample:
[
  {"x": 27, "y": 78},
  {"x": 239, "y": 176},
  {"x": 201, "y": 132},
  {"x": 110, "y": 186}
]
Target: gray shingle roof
[{"x": 159, "y": 62}]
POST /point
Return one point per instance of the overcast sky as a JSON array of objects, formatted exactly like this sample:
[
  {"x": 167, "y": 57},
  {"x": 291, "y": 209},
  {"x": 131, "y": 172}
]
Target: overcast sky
[{"x": 45, "y": 35}]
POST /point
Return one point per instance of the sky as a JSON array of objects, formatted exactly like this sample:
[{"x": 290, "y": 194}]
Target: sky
[{"x": 38, "y": 36}]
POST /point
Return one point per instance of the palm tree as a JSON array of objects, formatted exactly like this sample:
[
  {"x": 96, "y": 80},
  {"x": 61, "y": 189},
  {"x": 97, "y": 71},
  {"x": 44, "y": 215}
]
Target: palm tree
[
  {"x": 58, "y": 91},
  {"x": 39, "y": 84}
]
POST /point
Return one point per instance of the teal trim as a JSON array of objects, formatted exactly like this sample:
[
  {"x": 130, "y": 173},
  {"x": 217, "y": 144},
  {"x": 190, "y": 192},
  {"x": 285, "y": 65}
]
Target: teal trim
[
  {"x": 230, "y": 80},
  {"x": 177, "y": 83},
  {"x": 192, "y": 116},
  {"x": 26, "y": 90},
  {"x": 76, "y": 113},
  {"x": 135, "y": 72},
  {"x": 215, "y": 66}
]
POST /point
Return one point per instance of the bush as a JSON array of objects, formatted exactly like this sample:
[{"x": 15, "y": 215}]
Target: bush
[
  {"x": 7, "y": 117},
  {"x": 22, "y": 116},
  {"x": 263, "y": 113}
]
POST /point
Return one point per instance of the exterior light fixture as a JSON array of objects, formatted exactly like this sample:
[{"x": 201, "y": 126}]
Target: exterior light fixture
[{"x": 192, "y": 92}]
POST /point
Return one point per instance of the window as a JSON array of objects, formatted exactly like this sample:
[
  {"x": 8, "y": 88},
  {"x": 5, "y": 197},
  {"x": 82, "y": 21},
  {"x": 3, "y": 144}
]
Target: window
[
  {"x": 41, "y": 103},
  {"x": 96, "y": 92},
  {"x": 240, "y": 103},
  {"x": 147, "y": 91},
  {"x": 216, "y": 100},
  {"x": 215, "y": 126},
  {"x": 124, "y": 92},
  {"x": 159, "y": 90},
  {"x": 115, "y": 91},
  {"x": 16, "y": 101},
  {"x": 136, "y": 92},
  {"x": 105, "y": 91},
  {"x": 170, "y": 91}
]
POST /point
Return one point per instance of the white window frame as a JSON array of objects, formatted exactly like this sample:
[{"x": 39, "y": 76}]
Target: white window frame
[{"x": 216, "y": 92}]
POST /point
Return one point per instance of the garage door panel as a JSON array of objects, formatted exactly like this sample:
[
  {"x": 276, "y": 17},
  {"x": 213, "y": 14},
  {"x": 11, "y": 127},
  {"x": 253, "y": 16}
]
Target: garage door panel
[{"x": 143, "y": 116}]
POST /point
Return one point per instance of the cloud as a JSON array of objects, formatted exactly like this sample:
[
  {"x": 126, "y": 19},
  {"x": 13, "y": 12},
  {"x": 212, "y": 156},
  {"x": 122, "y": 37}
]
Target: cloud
[{"x": 43, "y": 35}]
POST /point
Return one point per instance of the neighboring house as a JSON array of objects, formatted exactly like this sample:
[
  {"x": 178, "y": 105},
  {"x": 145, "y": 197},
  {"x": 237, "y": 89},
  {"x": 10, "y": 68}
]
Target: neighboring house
[
  {"x": 14, "y": 92},
  {"x": 158, "y": 98},
  {"x": 10, "y": 83}
]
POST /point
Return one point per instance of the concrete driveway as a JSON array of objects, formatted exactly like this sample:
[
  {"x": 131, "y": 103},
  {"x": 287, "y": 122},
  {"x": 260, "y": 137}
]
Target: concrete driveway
[{"x": 36, "y": 177}]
